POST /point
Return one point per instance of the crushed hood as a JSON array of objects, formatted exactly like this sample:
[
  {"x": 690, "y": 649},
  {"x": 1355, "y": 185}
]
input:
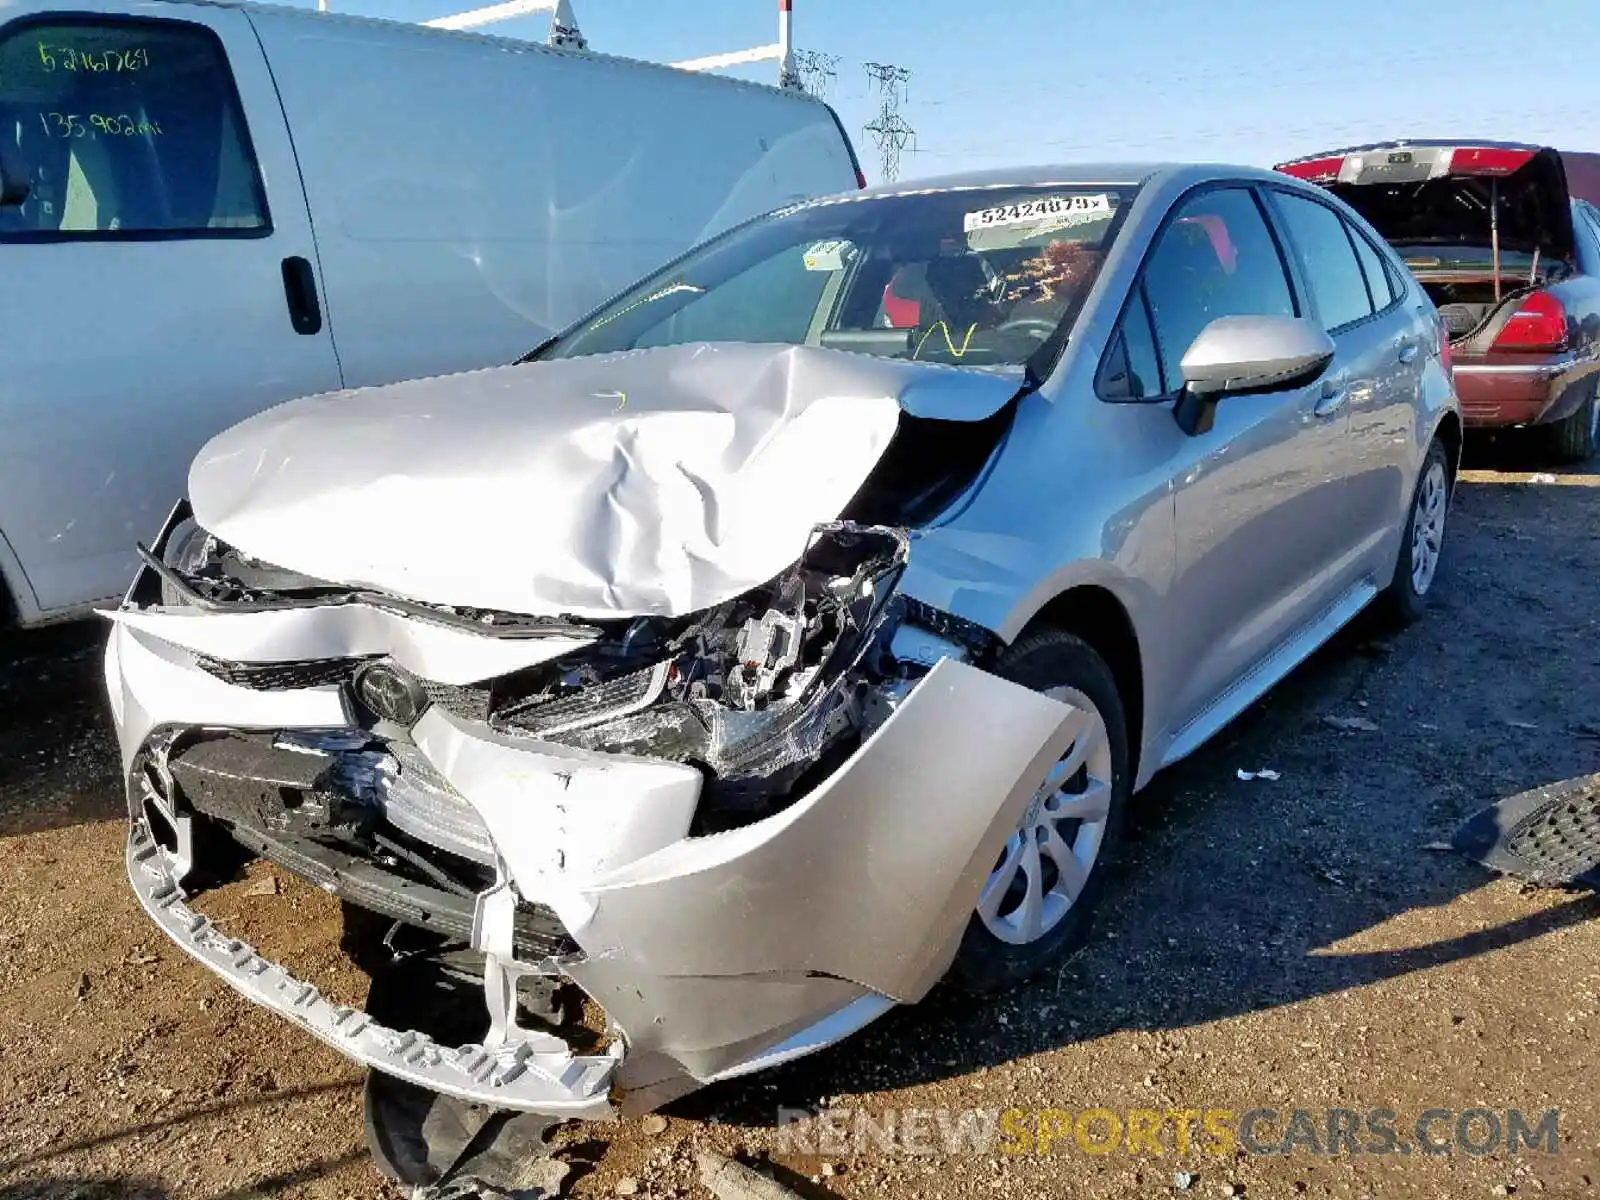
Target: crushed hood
[{"x": 652, "y": 482}]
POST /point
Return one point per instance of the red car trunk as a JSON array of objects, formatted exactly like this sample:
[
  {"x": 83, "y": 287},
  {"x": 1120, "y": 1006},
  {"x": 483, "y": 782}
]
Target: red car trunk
[{"x": 1488, "y": 230}]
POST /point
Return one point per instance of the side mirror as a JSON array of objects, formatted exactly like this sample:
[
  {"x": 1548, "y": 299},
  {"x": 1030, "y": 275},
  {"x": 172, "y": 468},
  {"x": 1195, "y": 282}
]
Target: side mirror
[
  {"x": 1236, "y": 356},
  {"x": 13, "y": 178}
]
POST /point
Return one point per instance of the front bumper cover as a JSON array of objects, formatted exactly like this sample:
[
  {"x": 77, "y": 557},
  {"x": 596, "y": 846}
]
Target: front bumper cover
[{"x": 712, "y": 955}]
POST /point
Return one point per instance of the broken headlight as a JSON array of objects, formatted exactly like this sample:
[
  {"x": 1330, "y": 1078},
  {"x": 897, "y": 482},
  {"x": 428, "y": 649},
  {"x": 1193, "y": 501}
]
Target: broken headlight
[{"x": 764, "y": 693}]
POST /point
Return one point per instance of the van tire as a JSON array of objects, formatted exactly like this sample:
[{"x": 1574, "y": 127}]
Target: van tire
[{"x": 1046, "y": 661}]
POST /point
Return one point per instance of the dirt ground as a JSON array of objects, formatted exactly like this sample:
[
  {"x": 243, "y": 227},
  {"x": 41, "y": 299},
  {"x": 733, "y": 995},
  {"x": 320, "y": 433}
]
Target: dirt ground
[{"x": 1289, "y": 943}]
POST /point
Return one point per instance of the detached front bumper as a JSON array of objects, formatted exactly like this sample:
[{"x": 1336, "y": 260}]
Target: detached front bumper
[
  {"x": 712, "y": 955},
  {"x": 516, "y": 1075}
]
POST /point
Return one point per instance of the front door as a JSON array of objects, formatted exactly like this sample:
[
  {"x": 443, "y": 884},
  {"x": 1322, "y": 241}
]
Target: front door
[
  {"x": 147, "y": 278},
  {"x": 1257, "y": 497}
]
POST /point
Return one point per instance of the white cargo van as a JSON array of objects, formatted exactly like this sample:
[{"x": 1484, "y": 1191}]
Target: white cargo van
[{"x": 207, "y": 209}]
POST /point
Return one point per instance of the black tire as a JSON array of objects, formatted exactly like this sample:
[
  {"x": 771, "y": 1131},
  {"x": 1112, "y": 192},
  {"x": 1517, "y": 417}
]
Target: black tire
[
  {"x": 1572, "y": 439},
  {"x": 1401, "y": 601},
  {"x": 985, "y": 964}
]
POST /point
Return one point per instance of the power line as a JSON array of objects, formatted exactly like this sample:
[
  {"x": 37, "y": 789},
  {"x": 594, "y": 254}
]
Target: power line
[
  {"x": 892, "y": 133},
  {"x": 818, "y": 72}
]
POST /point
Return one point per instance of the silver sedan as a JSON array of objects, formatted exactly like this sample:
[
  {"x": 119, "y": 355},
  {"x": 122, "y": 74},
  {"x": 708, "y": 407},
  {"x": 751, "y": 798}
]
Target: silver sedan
[{"x": 790, "y": 634}]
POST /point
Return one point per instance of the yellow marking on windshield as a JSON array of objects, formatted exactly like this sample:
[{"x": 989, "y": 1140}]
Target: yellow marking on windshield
[{"x": 941, "y": 327}]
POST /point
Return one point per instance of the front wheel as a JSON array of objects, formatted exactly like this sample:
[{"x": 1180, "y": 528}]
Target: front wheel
[
  {"x": 1033, "y": 912},
  {"x": 1422, "y": 544}
]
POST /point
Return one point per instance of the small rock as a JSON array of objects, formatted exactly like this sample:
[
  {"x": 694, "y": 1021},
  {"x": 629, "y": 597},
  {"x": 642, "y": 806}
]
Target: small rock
[
  {"x": 1352, "y": 724},
  {"x": 655, "y": 1124},
  {"x": 1502, "y": 1189},
  {"x": 82, "y": 989},
  {"x": 627, "y": 1186},
  {"x": 829, "y": 1170},
  {"x": 1183, "y": 1180},
  {"x": 263, "y": 887},
  {"x": 1233, "y": 1189}
]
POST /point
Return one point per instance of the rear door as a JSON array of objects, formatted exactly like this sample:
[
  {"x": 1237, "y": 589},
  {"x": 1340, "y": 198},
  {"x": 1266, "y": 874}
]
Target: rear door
[
  {"x": 1373, "y": 388},
  {"x": 148, "y": 276},
  {"x": 1257, "y": 495}
]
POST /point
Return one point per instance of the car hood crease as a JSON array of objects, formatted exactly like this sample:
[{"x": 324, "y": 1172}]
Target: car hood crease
[{"x": 655, "y": 482}]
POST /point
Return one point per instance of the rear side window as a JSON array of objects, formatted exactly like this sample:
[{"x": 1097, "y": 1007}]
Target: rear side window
[
  {"x": 1332, "y": 269},
  {"x": 1380, "y": 279},
  {"x": 1217, "y": 258},
  {"x": 126, "y": 129}
]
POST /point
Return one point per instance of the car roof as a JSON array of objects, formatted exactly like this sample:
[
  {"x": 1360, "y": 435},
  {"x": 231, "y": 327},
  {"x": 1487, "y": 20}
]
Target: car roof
[{"x": 1114, "y": 174}]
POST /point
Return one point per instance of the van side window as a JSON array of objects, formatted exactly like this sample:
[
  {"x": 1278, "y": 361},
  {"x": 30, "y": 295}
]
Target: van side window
[{"x": 126, "y": 129}]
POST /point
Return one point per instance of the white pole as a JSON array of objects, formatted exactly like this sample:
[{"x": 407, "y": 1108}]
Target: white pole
[
  {"x": 787, "y": 76},
  {"x": 563, "y": 24},
  {"x": 480, "y": 17},
  {"x": 713, "y": 62}
]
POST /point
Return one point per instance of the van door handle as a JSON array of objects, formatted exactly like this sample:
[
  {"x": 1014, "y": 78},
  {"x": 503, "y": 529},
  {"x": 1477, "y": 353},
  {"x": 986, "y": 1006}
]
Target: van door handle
[
  {"x": 1408, "y": 353},
  {"x": 300, "y": 289},
  {"x": 1332, "y": 400}
]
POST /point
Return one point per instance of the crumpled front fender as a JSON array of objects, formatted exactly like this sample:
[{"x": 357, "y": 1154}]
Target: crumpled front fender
[{"x": 871, "y": 878}]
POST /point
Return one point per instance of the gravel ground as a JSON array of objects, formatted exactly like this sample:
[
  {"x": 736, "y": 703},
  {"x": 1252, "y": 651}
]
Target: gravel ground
[{"x": 1286, "y": 944}]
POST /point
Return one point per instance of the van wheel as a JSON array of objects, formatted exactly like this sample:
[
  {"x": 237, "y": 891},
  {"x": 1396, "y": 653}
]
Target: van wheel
[
  {"x": 1035, "y": 908},
  {"x": 1573, "y": 438},
  {"x": 1422, "y": 544}
]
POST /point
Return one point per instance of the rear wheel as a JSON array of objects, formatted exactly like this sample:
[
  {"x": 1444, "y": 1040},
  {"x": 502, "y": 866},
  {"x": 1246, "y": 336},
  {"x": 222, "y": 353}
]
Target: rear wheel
[
  {"x": 1035, "y": 907},
  {"x": 1573, "y": 438},
  {"x": 1422, "y": 545}
]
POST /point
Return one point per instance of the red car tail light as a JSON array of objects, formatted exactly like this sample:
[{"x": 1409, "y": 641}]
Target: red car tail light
[
  {"x": 1444, "y": 347},
  {"x": 1488, "y": 160},
  {"x": 1539, "y": 324},
  {"x": 1314, "y": 170}
]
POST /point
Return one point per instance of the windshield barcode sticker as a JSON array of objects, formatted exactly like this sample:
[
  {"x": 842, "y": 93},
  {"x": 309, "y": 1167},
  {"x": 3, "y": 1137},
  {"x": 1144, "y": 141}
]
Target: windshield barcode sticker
[
  {"x": 1059, "y": 210},
  {"x": 828, "y": 256}
]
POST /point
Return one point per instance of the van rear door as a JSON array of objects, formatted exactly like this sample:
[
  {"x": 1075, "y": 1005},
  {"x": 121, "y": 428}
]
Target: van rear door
[{"x": 159, "y": 279}]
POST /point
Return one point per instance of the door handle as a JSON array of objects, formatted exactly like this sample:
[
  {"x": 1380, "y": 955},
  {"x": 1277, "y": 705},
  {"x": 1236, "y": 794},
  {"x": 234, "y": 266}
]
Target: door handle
[
  {"x": 300, "y": 290},
  {"x": 1408, "y": 353},
  {"x": 1332, "y": 399}
]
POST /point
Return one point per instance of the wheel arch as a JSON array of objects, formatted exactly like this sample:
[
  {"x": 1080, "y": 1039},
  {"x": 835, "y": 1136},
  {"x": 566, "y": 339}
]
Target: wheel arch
[
  {"x": 1450, "y": 431},
  {"x": 1098, "y": 616}
]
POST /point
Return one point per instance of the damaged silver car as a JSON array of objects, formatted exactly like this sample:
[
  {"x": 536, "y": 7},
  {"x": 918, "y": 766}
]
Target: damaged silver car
[{"x": 787, "y": 636}]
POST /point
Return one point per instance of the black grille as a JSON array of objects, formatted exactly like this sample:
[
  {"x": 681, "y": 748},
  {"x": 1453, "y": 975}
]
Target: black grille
[
  {"x": 280, "y": 676},
  {"x": 470, "y": 701},
  {"x": 594, "y": 703}
]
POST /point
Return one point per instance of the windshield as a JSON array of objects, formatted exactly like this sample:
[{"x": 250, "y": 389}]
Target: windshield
[{"x": 978, "y": 277}]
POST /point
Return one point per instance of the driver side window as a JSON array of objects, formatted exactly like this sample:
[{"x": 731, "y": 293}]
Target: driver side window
[{"x": 1216, "y": 258}]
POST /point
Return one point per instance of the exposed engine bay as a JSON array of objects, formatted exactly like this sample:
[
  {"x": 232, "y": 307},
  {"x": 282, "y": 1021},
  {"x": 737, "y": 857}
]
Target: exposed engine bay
[{"x": 758, "y": 694}]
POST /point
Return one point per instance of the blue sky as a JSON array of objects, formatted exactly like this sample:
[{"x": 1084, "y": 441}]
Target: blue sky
[{"x": 1221, "y": 80}]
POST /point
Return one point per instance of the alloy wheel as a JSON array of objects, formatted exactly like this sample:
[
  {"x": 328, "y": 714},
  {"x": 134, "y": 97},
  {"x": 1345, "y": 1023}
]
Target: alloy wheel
[{"x": 1046, "y": 863}]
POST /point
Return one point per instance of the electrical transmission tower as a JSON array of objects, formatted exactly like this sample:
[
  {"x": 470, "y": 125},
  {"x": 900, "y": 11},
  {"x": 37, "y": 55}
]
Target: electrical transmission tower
[
  {"x": 817, "y": 71},
  {"x": 889, "y": 129}
]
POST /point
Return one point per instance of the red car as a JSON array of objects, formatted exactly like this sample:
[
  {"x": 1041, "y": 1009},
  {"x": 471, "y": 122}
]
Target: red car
[{"x": 1504, "y": 238}]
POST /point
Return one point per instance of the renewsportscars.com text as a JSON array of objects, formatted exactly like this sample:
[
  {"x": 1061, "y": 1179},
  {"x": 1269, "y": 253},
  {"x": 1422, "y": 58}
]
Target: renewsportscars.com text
[{"x": 1175, "y": 1132}]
